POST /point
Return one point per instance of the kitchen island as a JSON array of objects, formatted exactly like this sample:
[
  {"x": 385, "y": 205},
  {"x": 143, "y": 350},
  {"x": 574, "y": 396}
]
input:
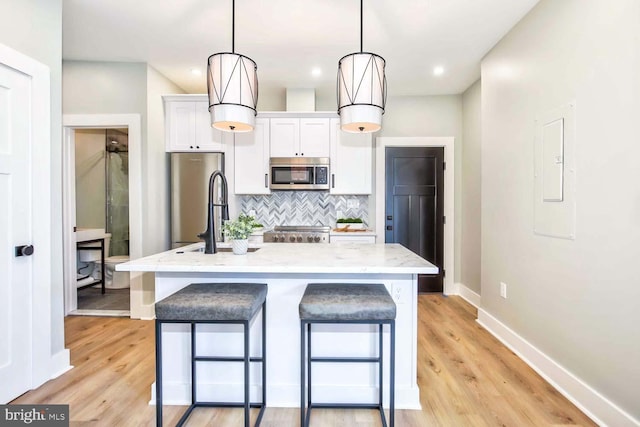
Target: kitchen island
[{"x": 287, "y": 268}]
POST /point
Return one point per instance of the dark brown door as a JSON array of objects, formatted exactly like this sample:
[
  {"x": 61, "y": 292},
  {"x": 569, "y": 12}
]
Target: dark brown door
[{"x": 414, "y": 206}]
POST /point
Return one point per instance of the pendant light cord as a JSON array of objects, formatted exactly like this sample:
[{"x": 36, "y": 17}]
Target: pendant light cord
[
  {"x": 361, "y": 50},
  {"x": 233, "y": 26}
]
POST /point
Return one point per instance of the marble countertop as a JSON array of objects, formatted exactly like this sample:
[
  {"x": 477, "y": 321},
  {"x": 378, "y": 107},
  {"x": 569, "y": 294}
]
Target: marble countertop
[{"x": 288, "y": 258}]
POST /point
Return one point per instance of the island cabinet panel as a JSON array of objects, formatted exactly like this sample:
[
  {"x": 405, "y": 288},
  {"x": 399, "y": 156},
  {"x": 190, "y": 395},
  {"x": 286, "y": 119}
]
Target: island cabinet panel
[
  {"x": 335, "y": 382},
  {"x": 188, "y": 126},
  {"x": 351, "y": 161},
  {"x": 251, "y": 160},
  {"x": 300, "y": 137}
]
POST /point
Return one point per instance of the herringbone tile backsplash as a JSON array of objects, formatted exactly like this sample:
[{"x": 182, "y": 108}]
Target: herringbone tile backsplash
[{"x": 303, "y": 208}]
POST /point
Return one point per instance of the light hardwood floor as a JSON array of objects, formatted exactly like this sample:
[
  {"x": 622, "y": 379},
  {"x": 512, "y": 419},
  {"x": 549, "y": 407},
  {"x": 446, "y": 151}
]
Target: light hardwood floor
[{"x": 466, "y": 378}]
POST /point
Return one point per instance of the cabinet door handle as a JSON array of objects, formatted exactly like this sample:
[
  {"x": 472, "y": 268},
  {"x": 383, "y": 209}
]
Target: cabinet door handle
[
  {"x": 266, "y": 180},
  {"x": 333, "y": 180}
]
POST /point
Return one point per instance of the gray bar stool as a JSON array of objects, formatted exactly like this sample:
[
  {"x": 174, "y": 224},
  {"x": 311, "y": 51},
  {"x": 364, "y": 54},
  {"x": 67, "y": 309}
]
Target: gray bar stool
[
  {"x": 222, "y": 303},
  {"x": 346, "y": 303}
]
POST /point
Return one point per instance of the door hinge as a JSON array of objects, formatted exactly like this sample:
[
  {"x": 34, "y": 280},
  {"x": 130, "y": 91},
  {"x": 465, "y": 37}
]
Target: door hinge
[
  {"x": 444, "y": 273},
  {"x": 444, "y": 219},
  {"x": 444, "y": 166}
]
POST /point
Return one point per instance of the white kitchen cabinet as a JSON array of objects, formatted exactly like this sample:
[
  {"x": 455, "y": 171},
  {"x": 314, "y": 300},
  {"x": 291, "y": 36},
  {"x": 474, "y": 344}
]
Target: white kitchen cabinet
[
  {"x": 251, "y": 160},
  {"x": 351, "y": 161},
  {"x": 298, "y": 137},
  {"x": 188, "y": 126},
  {"x": 352, "y": 237}
]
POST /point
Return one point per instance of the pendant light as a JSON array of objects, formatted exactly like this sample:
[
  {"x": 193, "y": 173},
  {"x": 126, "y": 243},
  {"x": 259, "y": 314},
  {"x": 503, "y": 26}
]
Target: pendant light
[
  {"x": 232, "y": 83},
  {"x": 362, "y": 90}
]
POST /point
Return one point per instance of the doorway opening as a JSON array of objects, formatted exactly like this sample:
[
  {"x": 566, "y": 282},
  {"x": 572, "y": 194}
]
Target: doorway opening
[
  {"x": 448, "y": 205},
  {"x": 102, "y": 213},
  {"x": 102, "y": 217},
  {"x": 414, "y": 206}
]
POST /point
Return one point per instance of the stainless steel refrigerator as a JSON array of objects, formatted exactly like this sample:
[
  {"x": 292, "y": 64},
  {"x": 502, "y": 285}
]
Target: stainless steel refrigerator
[{"x": 189, "y": 194}]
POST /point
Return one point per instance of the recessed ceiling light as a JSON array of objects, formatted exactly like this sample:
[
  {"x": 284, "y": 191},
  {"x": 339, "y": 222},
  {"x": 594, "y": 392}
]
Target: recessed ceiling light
[
  {"x": 196, "y": 71},
  {"x": 316, "y": 72},
  {"x": 438, "y": 71}
]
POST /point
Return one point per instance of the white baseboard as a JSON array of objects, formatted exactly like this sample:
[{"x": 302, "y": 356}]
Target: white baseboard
[
  {"x": 590, "y": 401},
  {"x": 468, "y": 295},
  {"x": 60, "y": 363}
]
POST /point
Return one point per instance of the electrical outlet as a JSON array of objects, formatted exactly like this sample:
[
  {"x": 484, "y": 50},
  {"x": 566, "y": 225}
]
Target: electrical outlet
[
  {"x": 353, "y": 204},
  {"x": 339, "y": 214},
  {"x": 396, "y": 293},
  {"x": 503, "y": 290},
  {"x": 252, "y": 213}
]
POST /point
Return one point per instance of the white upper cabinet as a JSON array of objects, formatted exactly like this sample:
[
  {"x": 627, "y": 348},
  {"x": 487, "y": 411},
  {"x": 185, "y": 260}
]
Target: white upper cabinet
[
  {"x": 251, "y": 160},
  {"x": 351, "y": 161},
  {"x": 297, "y": 137},
  {"x": 188, "y": 126},
  {"x": 285, "y": 137}
]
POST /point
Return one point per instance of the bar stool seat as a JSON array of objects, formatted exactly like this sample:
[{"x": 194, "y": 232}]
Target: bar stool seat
[
  {"x": 221, "y": 303},
  {"x": 346, "y": 303}
]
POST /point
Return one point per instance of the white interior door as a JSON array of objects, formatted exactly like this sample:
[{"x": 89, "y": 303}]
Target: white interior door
[{"x": 15, "y": 230}]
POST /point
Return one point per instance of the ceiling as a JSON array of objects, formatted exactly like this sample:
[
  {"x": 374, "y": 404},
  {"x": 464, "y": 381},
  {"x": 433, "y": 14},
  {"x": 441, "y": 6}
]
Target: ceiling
[{"x": 288, "y": 38}]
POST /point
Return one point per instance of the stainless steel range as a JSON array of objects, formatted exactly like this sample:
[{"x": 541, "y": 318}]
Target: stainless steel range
[{"x": 297, "y": 234}]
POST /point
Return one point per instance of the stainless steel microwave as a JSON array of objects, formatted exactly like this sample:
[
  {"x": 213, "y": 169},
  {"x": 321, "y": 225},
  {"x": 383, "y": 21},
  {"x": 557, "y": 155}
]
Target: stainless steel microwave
[{"x": 299, "y": 173}]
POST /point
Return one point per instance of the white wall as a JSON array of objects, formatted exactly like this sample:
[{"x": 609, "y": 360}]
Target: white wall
[
  {"x": 575, "y": 300},
  {"x": 470, "y": 209},
  {"x": 156, "y": 159},
  {"x": 121, "y": 88},
  {"x": 34, "y": 28},
  {"x": 430, "y": 116}
]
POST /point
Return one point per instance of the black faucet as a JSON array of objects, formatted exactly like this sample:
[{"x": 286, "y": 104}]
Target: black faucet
[{"x": 209, "y": 235}]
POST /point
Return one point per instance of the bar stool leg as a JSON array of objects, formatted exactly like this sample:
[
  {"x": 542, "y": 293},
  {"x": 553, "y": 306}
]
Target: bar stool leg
[
  {"x": 246, "y": 375},
  {"x": 193, "y": 364},
  {"x": 380, "y": 366},
  {"x": 302, "y": 373},
  {"x": 264, "y": 356},
  {"x": 309, "y": 400},
  {"x": 158, "y": 374},
  {"x": 392, "y": 372}
]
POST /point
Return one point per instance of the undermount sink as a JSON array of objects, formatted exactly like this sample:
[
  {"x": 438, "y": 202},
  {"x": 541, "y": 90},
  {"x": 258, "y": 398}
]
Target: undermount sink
[{"x": 223, "y": 250}]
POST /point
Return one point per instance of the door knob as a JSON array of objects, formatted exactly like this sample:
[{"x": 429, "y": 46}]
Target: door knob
[{"x": 24, "y": 250}]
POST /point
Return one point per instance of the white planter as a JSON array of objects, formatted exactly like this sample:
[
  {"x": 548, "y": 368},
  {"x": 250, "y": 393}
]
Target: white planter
[
  {"x": 352, "y": 225},
  {"x": 240, "y": 247}
]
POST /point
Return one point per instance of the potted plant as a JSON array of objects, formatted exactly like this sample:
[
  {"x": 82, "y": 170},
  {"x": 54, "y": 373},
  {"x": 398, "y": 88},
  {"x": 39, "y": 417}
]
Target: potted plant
[
  {"x": 238, "y": 231},
  {"x": 352, "y": 223},
  {"x": 251, "y": 220}
]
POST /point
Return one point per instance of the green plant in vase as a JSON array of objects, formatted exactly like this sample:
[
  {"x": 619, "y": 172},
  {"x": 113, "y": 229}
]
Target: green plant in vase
[{"x": 238, "y": 231}]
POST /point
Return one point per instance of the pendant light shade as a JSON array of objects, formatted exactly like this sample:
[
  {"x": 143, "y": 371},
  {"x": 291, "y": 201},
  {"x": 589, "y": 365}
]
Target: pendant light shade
[
  {"x": 362, "y": 90},
  {"x": 232, "y": 83}
]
